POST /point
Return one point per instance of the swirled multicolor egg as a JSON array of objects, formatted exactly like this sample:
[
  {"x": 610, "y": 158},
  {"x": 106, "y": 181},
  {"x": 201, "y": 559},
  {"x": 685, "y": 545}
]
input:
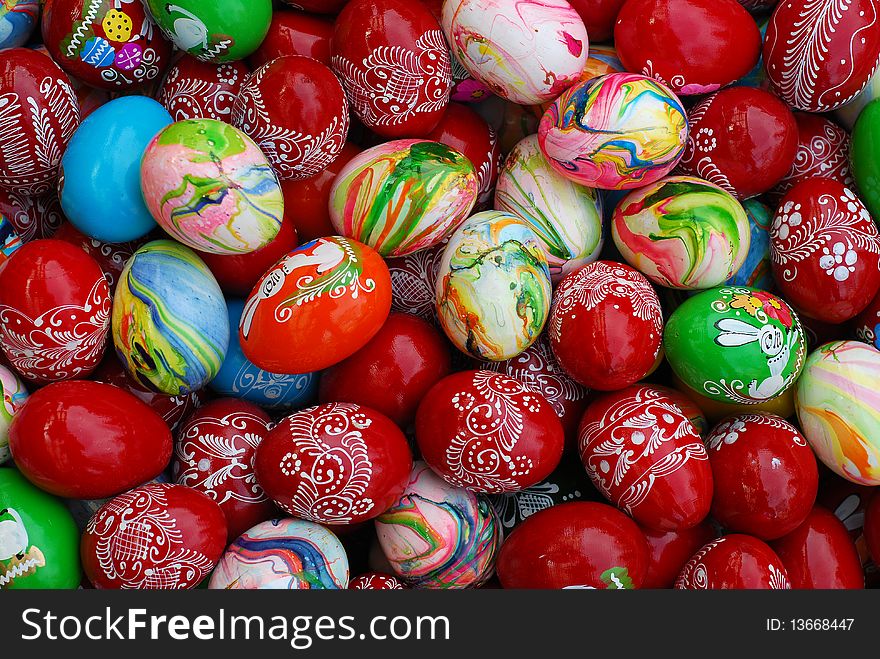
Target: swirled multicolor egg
[
  {"x": 403, "y": 196},
  {"x": 527, "y": 52},
  {"x": 17, "y": 21},
  {"x": 838, "y": 406},
  {"x": 682, "y": 232},
  {"x": 493, "y": 286},
  {"x": 283, "y": 554},
  {"x": 12, "y": 397},
  {"x": 755, "y": 270},
  {"x": 169, "y": 320},
  {"x": 566, "y": 216},
  {"x": 209, "y": 186},
  {"x": 616, "y": 132}
]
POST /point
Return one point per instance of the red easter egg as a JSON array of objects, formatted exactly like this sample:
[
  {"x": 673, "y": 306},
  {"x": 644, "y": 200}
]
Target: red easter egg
[
  {"x": 193, "y": 89},
  {"x": 765, "y": 472},
  {"x": 318, "y": 6},
  {"x": 643, "y": 454},
  {"x": 616, "y": 307},
  {"x": 111, "y": 257},
  {"x": 488, "y": 433},
  {"x": 295, "y": 33},
  {"x": 574, "y": 545},
  {"x": 40, "y": 113},
  {"x": 819, "y": 554},
  {"x": 734, "y": 562},
  {"x": 866, "y": 324},
  {"x": 670, "y": 550},
  {"x": 295, "y": 109},
  {"x": 825, "y": 251},
  {"x": 691, "y": 46},
  {"x": 401, "y": 363},
  {"x": 599, "y": 16},
  {"x": 849, "y": 501},
  {"x": 105, "y": 43},
  {"x": 33, "y": 217},
  {"x": 872, "y": 527},
  {"x": 818, "y": 54},
  {"x": 375, "y": 581},
  {"x": 394, "y": 63},
  {"x": 214, "y": 454},
  {"x": 334, "y": 464},
  {"x": 157, "y": 536},
  {"x": 88, "y": 440},
  {"x": 742, "y": 139},
  {"x": 54, "y": 311},
  {"x": 413, "y": 279}
]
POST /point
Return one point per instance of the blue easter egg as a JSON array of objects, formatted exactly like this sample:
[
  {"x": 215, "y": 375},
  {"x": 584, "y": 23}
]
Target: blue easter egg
[
  {"x": 98, "y": 52},
  {"x": 100, "y": 184},
  {"x": 755, "y": 270},
  {"x": 17, "y": 21},
  {"x": 240, "y": 378}
]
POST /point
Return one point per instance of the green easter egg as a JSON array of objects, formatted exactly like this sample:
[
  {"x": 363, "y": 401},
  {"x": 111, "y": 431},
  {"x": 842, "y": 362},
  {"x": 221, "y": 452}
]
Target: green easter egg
[
  {"x": 735, "y": 344},
  {"x": 865, "y": 156}
]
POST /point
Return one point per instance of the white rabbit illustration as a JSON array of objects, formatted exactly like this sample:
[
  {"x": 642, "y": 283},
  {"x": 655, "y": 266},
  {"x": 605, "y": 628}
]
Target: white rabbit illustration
[
  {"x": 773, "y": 344},
  {"x": 13, "y": 535}
]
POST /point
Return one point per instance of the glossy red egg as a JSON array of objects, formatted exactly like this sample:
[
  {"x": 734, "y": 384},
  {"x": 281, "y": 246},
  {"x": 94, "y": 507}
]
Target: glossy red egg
[
  {"x": 618, "y": 309},
  {"x": 393, "y": 372},
  {"x": 295, "y": 32},
  {"x": 599, "y": 16},
  {"x": 574, "y": 545},
  {"x": 33, "y": 217},
  {"x": 670, "y": 550},
  {"x": 334, "y": 464},
  {"x": 734, "y": 562},
  {"x": 193, "y": 89},
  {"x": 872, "y": 527},
  {"x": 318, "y": 305},
  {"x": 413, "y": 279},
  {"x": 849, "y": 501},
  {"x": 376, "y": 581},
  {"x": 818, "y": 54},
  {"x": 111, "y": 257},
  {"x": 765, "y": 473},
  {"x": 88, "y": 440},
  {"x": 54, "y": 311},
  {"x": 643, "y": 454},
  {"x": 488, "y": 433},
  {"x": 394, "y": 63},
  {"x": 825, "y": 251},
  {"x": 819, "y": 554},
  {"x": 157, "y": 536},
  {"x": 692, "y": 46},
  {"x": 742, "y": 139},
  {"x": 39, "y": 114}
]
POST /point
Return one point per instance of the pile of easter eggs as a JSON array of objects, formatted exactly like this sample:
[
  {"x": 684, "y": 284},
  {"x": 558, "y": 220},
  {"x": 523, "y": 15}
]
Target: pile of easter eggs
[{"x": 439, "y": 294}]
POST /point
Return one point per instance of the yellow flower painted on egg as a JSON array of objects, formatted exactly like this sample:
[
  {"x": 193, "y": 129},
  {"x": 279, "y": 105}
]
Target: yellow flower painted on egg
[{"x": 748, "y": 303}]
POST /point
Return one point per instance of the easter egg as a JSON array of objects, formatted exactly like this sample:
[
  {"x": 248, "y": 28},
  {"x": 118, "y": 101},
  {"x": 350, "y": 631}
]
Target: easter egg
[
  {"x": 17, "y": 21},
  {"x": 599, "y": 17},
  {"x": 867, "y": 323},
  {"x": 294, "y": 32},
  {"x": 283, "y": 554},
  {"x": 756, "y": 268},
  {"x": 741, "y": 139},
  {"x": 686, "y": 402},
  {"x": 376, "y": 581},
  {"x": 618, "y": 309},
  {"x": 210, "y": 187},
  {"x": 156, "y": 536},
  {"x": 682, "y": 232},
  {"x": 110, "y": 257},
  {"x": 644, "y": 455},
  {"x": 716, "y": 410},
  {"x": 765, "y": 475},
  {"x": 318, "y": 305},
  {"x": 100, "y": 179},
  {"x": 403, "y": 196},
  {"x": 850, "y": 503},
  {"x": 105, "y": 43},
  {"x": 493, "y": 286},
  {"x": 677, "y": 42},
  {"x": 846, "y": 115},
  {"x": 40, "y": 547},
  {"x": 213, "y": 30},
  {"x": 393, "y": 62},
  {"x": 616, "y": 132},
  {"x": 439, "y": 536},
  {"x": 413, "y": 280},
  {"x": 88, "y": 440},
  {"x": 582, "y": 545},
  {"x": 566, "y": 216},
  {"x": 169, "y": 319},
  {"x": 528, "y": 53},
  {"x": 54, "y": 311},
  {"x": 238, "y": 377},
  {"x": 40, "y": 114},
  {"x": 838, "y": 410},
  {"x": 9, "y": 239},
  {"x": 865, "y": 157},
  {"x": 735, "y": 345},
  {"x": 193, "y": 89},
  {"x": 488, "y": 433},
  {"x": 670, "y": 550},
  {"x": 734, "y": 562},
  {"x": 819, "y": 54},
  {"x": 294, "y": 108},
  {"x": 33, "y": 216},
  {"x": 825, "y": 249},
  {"x": 13, "y": 394}
]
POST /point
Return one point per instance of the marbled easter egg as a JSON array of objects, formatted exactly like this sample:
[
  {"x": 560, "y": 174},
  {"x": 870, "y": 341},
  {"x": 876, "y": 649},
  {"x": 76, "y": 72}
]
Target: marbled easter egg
[
  {"x": 403, "y": 196},
  {"x": 169, "y": 319},
  {"x": 566, "y": 216},
  {"x": 493, "y": 286},
  {"x": 209, "y": 186},
  {"x": 755, "y": 270},
  {"x": 17, "y": 21},
  {"x": 12, "y": 396},
  {"x": 682, "y": 232},
  {"x": 616, "y": 132}
]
